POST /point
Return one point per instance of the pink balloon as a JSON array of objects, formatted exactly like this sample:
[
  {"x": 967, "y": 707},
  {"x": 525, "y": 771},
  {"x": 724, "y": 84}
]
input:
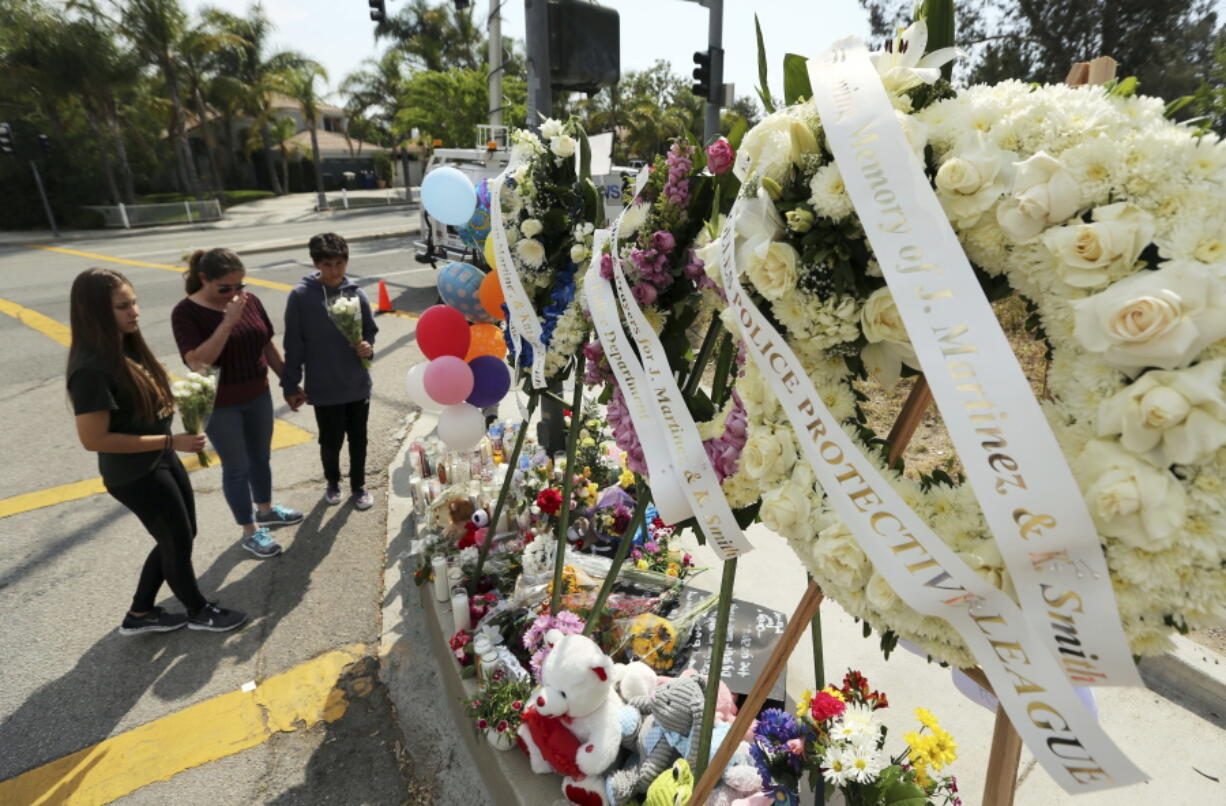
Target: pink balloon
[{"x": 448, "y": 380}]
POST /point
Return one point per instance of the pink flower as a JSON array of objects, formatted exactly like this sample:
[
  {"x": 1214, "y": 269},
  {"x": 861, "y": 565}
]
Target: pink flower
[
  {"x": 502, "y": 726},
  {"x": 796, "y": 746},
  {"x": 824, "y": 706},
  {"x": 482, "y": 724},
  {"x": 663, "y": 241},
  {"x": 606, "y": 267},
  {"x": 644, "y": 294},
  {"x": 720, "y": 156},
  {"x": 517, "y": 706}
]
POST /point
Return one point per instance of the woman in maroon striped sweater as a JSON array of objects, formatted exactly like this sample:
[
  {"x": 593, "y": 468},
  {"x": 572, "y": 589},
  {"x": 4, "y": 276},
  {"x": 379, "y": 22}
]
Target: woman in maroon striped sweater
[{"x": 220, "y": 324}]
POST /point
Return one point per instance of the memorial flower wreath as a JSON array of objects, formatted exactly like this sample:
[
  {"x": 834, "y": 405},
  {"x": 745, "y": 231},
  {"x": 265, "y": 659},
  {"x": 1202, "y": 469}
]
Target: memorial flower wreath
[
  {"x": 1110, "y": 221},
  {"x": 550, "y": 210}
]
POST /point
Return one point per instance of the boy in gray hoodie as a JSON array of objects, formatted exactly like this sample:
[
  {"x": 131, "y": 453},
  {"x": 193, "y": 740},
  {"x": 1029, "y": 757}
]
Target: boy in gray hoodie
[{"x": 337, "y": 384}]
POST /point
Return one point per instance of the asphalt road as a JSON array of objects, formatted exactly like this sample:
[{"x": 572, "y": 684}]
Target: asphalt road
[{"x": 68, "y": 570}]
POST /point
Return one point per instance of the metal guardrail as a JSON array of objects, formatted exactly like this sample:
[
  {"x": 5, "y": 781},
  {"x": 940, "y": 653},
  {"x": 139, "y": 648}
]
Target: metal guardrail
[
  {"x": 390, "y": 197},
  {"x": 127, "y": 216}
]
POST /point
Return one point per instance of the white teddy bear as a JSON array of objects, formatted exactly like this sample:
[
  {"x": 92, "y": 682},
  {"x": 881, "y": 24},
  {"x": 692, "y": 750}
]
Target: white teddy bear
[{"x": 577, "y": 686}]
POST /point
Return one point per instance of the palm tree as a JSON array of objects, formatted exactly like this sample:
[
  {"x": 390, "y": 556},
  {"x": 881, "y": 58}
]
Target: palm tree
[
  {"x": 438, "y": 37},
  {"x": 375, "y": 90},
  {"x": 280, "y": 130},
  {"x": 199, "y": 47},
  {"x": 247, "y": 74},
  {"x": 299, "y": 84},
  {"x": 157, "y": 28}
]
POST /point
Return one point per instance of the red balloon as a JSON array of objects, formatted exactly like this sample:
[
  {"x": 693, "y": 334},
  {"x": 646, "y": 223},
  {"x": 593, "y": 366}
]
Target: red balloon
[{"x": 442, "y": 330}]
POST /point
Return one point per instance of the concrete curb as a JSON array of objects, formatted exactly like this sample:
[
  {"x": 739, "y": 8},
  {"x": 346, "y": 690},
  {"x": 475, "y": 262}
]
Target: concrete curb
[{"x": 1192, "y": 675}]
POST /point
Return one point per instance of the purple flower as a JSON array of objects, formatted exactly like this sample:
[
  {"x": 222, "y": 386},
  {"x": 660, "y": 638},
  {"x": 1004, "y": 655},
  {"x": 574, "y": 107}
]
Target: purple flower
[
  {"x": 651, "y": 547},
  {"x": 720, "y": 156},
  {"x": 663, "y": 241},
  {"x": 644, "y": 293},
  {"x": 694, "y": 268},
  {"x": 606, "y": 267}
]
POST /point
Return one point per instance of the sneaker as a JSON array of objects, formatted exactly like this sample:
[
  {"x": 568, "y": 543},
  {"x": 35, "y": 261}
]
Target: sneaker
[
  {"x": 332, "y": 495},
  {"x": 156, "y": 620},
  {"x": 278, "y": 516},
  {"x": 216, "y": 619},
  {"x": 363, "y": 500},
  {"x": 261, "y": 544}
]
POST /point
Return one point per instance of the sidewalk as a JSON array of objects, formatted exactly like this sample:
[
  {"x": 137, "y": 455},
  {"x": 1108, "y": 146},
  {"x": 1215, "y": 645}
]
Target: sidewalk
[
  {"x": 1174, "y": 729},
  {"x": 289, "y": 209}
]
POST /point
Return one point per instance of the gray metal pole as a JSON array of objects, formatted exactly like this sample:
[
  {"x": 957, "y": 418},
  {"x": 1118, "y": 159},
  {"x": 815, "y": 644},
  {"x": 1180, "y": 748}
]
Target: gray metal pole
[
  {"x": 495, "y": 35},
  {"x": 715, "y": 41},
  {"x": 540, "y": 89},
  {"x": 38, "y": 180}
]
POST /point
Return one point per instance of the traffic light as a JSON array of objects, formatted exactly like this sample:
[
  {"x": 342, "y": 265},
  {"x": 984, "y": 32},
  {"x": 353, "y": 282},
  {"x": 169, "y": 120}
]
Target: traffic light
[
  {"x": 702, "y": 74},
  {"x": 6, "y": 139},
  {"x": 378, "y": 10}
]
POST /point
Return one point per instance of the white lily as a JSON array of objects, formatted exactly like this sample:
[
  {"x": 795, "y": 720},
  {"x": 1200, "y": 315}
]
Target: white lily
[{"x": 904, "y": 65}]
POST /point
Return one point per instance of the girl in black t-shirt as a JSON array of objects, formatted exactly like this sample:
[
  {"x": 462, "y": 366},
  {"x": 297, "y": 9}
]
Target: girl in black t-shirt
[{"x": 123, "y": 406}]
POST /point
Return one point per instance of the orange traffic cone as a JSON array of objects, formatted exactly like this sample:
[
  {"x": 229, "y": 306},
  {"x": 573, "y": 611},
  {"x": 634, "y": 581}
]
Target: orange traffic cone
[{"x": 385, "y": 301}]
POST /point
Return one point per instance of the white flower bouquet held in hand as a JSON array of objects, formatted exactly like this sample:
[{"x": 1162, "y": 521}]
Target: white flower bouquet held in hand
[
  {"x": 346, "y": 313},
  {"x": 195, "y": 395}
]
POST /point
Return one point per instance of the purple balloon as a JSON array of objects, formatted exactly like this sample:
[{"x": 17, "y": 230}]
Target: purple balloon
[{"x": 491, "y": 381}]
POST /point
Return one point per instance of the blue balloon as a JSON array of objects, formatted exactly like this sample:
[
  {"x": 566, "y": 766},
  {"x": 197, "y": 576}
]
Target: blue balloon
[
  {"x": 477, "y": 229},
  {"x": 458, "y": 284},
  {"x": 449, "y": 195}
]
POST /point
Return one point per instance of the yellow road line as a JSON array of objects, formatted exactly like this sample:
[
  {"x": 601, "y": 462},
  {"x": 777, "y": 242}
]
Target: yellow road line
[
  {"x": 223, "y": 726},
  {"x": 284, "y": 435},
  {"x": 145, "y": 264},
  {"x": 43, "y": 324}
]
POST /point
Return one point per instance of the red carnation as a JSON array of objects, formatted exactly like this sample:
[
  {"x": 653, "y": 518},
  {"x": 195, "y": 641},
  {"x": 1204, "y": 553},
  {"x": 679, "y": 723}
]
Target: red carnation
[
  {"x": 549, "y": 500},
  {"x": 825, "y": 706}
]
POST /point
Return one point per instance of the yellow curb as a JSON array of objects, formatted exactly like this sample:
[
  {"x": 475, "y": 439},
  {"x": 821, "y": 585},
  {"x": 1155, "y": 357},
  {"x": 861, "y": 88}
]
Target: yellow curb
[
  {"x": 284, "y": 435},
  {"x": 145, "y": 264},
  {"x": 227, "y": 724}
]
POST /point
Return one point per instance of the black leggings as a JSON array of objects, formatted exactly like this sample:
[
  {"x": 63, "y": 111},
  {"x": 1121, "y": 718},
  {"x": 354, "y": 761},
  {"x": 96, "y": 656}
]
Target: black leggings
[
  {"x": 163, "y": 501},
  {"x": 335, "y": 423}
]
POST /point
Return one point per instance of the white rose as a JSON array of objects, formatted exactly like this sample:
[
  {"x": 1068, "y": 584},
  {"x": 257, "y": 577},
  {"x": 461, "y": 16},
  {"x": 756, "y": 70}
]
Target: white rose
[
  {"x": 563, "y": 145},
  {"x": 1092, "y": 255},
  {"x": 531, "y": 227},
  {"x": 1158, "y": 318},
  {"x": 772, "y": 268},
  {"x": 180, "y": 388},
  {"x": 1172, "y": 417},
  {"x": 756, "y": 395},
  {"x": 578, "y": 253},
  {"x": 767, "y": 456},
  {"x": 1044, "y": 193},
  {"x": 551, "y": 128},
  {"x": 531, "y": 252},
  {"x": 840, "y": 559},
  {"x": 785, "y": 510},
  {"x": 915, "y": 132},
  {"x": 1129, "y": 498},
  {"x": 757, "y": 222},
  {"x": 880, "y": 320},
  {"x": 773, "y": 146},
  {"x": 879, "y": 593},
  {"x": 971, "y": 180}
]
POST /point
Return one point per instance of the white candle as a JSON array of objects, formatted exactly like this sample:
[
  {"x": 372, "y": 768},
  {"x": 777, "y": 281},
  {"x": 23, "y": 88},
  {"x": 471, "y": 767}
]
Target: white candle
[
  {"x": 438, "y": 567},
  {"x": 459, "y": 610}
]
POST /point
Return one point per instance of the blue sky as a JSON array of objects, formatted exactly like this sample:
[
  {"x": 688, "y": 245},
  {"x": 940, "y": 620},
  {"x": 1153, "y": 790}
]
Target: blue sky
[{"x": 339, "y": 34}]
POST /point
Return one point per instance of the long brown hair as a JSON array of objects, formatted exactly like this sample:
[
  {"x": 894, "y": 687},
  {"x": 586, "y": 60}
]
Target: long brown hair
[
  {"x": 95, "y": 332},
  {"x": 213, "y": 264}
]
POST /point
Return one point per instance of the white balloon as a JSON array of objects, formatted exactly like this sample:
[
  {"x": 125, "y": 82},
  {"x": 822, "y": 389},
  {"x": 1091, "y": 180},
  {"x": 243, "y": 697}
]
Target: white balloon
[
  {"x": 415, "y": 386},
  {"x": 461, "y": 426}
]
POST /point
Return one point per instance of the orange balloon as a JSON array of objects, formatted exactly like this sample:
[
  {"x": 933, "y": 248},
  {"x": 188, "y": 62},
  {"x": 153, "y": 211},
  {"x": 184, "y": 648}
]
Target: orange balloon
[
  {"x": 490, "y": 294},
  {"x": 486, "y": 340}
]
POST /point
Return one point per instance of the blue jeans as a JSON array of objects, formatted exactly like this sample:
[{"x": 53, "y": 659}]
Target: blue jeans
[{"x": 242, "y": 435}]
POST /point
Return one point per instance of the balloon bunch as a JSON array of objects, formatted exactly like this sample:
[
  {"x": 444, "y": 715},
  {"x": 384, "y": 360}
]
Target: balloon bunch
[{"x": 465, "y": 374}]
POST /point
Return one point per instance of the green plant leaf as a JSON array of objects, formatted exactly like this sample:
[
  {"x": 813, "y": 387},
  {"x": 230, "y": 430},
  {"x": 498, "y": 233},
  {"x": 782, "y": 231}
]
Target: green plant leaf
[
  {"x": 1177, "y": 104},
  {"x": 796, "y": 86},
  {"x": 737, "y": 134},
  {"x": 764, "y": 91},
  {"x": 903, "y": 793}
]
